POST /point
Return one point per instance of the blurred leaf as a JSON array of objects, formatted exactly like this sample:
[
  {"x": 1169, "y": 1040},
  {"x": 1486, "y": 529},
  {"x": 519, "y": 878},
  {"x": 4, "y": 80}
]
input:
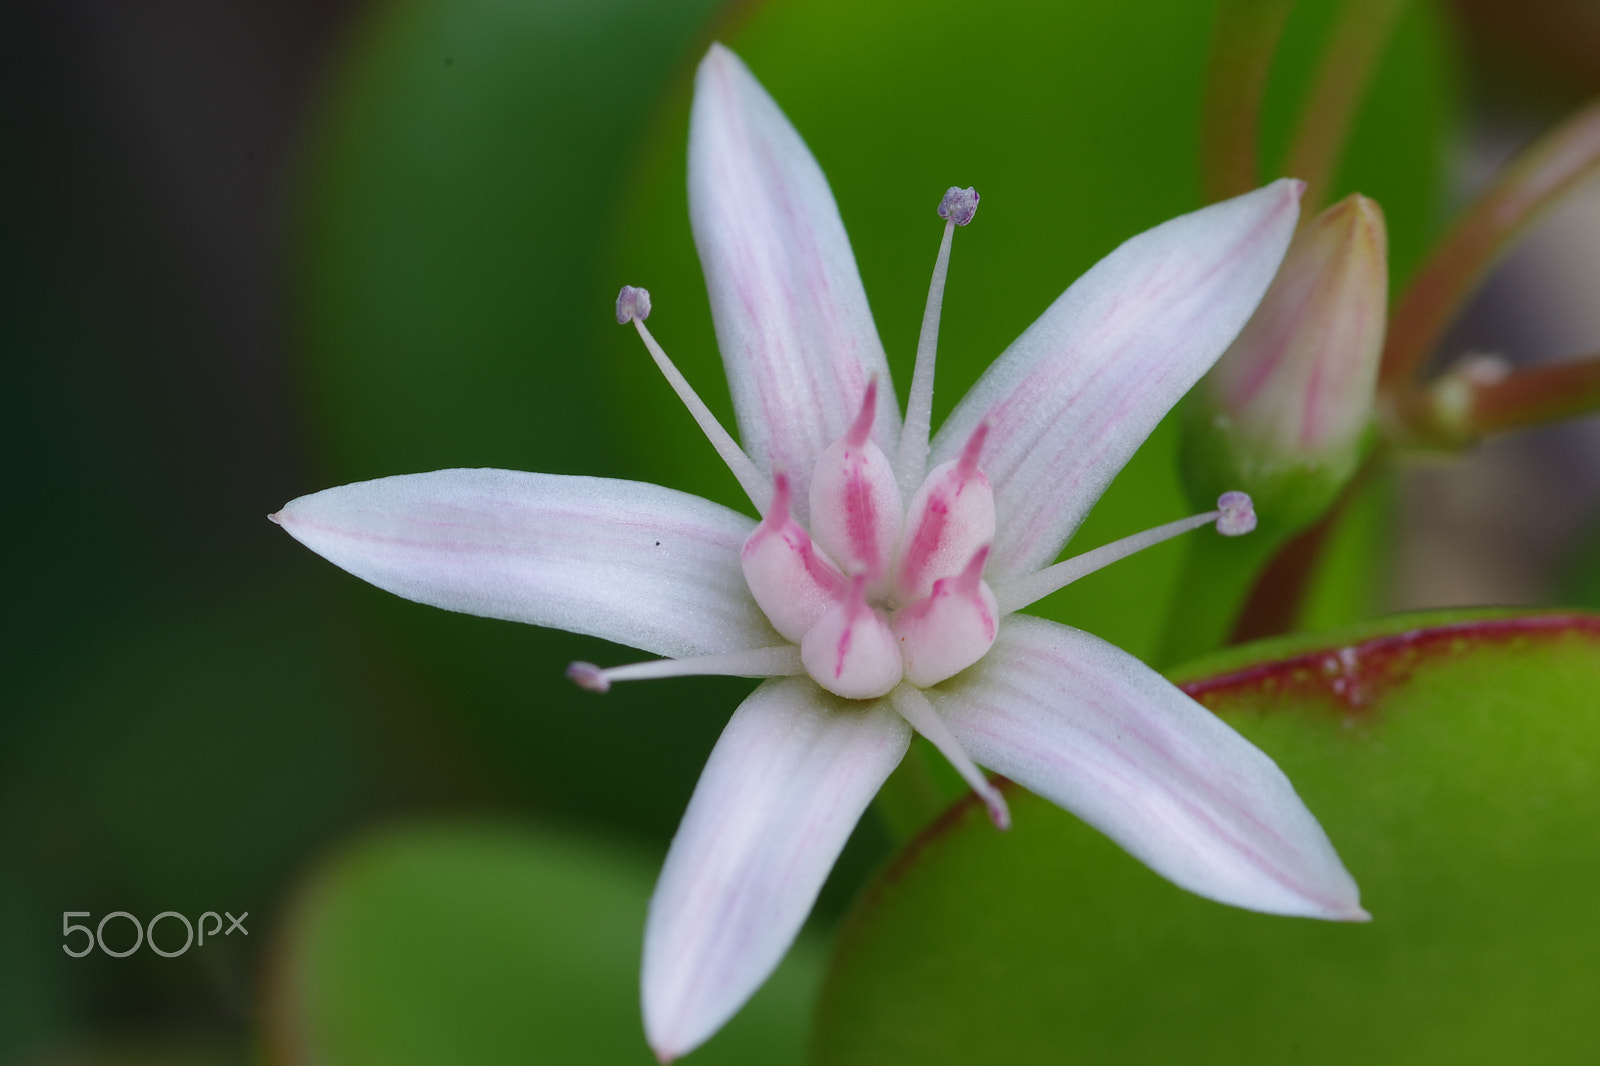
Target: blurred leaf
[
  {"x": 1456, "y": 768},
  {"x": 145, "y": 1052},
  {"x": 189, "y": 762},
  {"x": 1397, "y": 149},
  {"x": 1581, "y": 584},
  {"x": 452, "y": 228},
  {"x": 484, "y": 945}
]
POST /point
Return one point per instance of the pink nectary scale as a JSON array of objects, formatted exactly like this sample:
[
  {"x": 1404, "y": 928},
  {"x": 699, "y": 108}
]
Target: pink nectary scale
[{"x": 884, "y": 592}]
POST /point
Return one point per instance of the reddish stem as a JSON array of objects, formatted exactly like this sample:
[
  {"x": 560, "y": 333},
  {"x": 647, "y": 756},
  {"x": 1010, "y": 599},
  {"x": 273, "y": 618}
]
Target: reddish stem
[
  {"x": 1280, "y": 589},
  {"x": 1537, "y": 395},
  {"x": 1536, "y": 181},
  {"x": 1342, "y": 76},
  {"x": 1242, "y": 47}
]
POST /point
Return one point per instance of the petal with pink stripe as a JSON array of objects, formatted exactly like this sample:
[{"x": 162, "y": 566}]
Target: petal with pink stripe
[
  {"x": 1088, "y": 726},
  {"x": 1071, "y": 399},
  {"x": 796, "y": 334},
  {"x": 639, "y": 564},
  {"x": 789, "y": 778}
]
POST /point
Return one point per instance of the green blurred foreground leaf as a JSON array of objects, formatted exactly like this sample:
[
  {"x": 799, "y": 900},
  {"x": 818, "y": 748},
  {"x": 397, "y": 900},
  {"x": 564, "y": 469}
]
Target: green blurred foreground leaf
[
  {"x": 484, "y": 945},
  {"x": 1457, "y": 769}
]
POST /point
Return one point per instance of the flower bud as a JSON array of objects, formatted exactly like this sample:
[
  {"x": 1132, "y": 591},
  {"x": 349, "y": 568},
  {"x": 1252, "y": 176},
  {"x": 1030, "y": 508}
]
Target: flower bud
[{"x": 1285, "y": 412}]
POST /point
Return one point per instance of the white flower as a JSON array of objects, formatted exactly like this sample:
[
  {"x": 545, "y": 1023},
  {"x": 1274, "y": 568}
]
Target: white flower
[{"x": 869, "y": 615}]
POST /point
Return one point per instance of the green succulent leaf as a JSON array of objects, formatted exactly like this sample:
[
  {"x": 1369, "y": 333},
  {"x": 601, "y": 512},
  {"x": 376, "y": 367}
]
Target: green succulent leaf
[
  {"x": 1455, "y": 763},
  {"x": 487, "y": 944}
]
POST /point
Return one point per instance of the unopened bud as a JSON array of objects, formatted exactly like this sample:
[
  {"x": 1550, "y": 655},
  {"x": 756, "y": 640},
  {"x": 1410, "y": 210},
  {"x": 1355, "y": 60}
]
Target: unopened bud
[
  {"x": 1285, "y": 412},
  {"x": 1443, "y": 413}
]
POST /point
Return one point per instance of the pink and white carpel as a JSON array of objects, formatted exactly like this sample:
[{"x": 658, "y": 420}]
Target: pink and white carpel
[{"x": 878, "y": 592}]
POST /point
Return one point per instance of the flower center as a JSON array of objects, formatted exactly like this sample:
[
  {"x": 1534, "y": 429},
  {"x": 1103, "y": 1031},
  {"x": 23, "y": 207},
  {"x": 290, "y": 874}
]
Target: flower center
[{"x": 878, "y": 591}]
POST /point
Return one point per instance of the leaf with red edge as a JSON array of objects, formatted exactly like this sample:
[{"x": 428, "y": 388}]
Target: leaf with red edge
[{"x": 1454, "y": 761}]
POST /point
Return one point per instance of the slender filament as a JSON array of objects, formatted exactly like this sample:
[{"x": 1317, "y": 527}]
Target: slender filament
[
  {"x": 912, "y": 459},
  {"x": 755, "y": 485},
  {"x": 915, "y": 708},
  {"x": 1017, "y": 594},
  {"x": 780, "y": 661}
]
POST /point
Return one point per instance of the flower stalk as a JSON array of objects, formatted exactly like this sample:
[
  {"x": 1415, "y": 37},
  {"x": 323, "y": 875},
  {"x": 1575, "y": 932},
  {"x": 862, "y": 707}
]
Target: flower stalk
[
  {"x": 1243, "y": 43},
  {"x": 1481, "y": 397},
  {"x": 1476, "y": 398},
  {"x": 1536, "y": 181},
  {"x": 1343, "y": 73}
]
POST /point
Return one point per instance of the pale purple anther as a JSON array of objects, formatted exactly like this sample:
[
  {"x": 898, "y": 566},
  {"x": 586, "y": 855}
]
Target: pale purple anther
[
  {"x": 1238, "y": 515},
  {"x": 589, "y": 676},
  {"x": 959, "y": 205},
  {"x": 633, "y": 305}
]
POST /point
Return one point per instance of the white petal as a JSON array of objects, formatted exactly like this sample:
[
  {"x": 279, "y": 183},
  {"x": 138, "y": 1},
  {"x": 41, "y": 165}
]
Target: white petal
[
  {"x": 789, "y": 778},
  {"x": 792, "y": 320},
  {"x": 1073, "y": 397},
  {"x": 1090, "y": 727},
  {"x": 638, "y": 564}
]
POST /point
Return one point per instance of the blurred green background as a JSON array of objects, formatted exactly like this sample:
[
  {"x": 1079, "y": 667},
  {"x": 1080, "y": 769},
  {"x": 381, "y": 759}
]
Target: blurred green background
[{"x": 260, "y": 248}]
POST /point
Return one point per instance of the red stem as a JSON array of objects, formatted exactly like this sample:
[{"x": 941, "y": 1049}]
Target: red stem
[
  {"x": 1242, "y": 47},
  {"x": 1536, "y": 181}
]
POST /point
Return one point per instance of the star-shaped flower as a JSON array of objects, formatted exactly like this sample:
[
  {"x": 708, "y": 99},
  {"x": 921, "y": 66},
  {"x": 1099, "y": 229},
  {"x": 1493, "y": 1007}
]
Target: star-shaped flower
[{"x": 877, "y": 593}]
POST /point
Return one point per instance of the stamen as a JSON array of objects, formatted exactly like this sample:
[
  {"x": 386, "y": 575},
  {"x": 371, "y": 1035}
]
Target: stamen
[
  {"x": 911, "y": 461},
  {"x": 633, "y": 305},
  {"x": 1234, "y": 516},
  {"x": 959, "y": 205},
  {"x": 780, "y": 661},
  {"x": 915, "y": 708}
]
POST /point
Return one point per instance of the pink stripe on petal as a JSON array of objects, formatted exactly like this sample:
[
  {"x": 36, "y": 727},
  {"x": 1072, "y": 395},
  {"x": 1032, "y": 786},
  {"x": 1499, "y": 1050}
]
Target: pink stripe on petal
[
  {"x": 789, "y": 577},
  {"x": 950, "y": 517},
  {"x": 789, "y": 778},
  {"x": 856, "y": 510},
  {"x": 851, "y": 651},
  {"x": 1072, "y": 398},
  {"x": 796, "y": 334}
]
